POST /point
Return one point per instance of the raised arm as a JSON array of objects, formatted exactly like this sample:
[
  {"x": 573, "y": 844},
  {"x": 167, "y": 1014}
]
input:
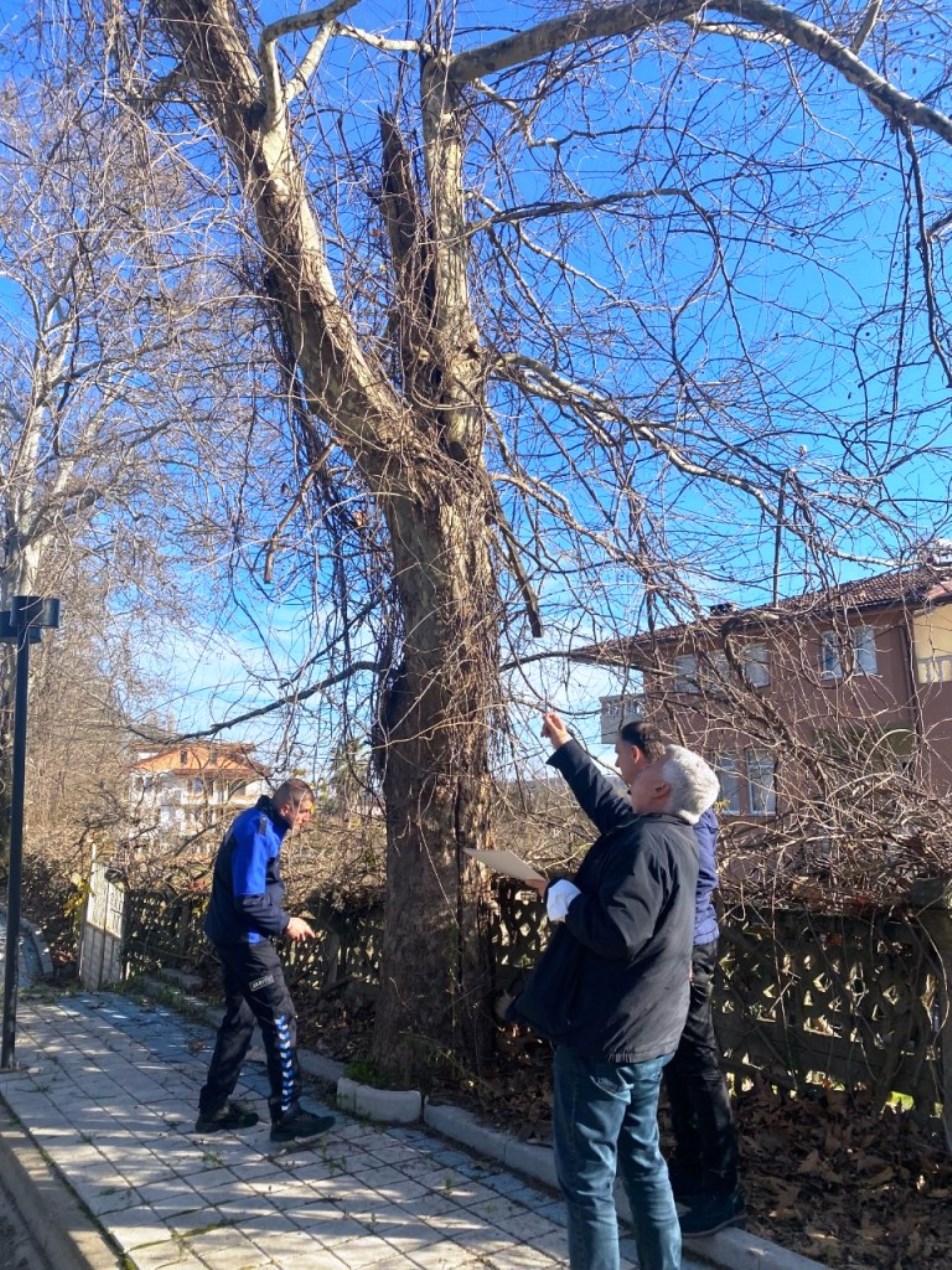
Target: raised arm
[{"x": 597, "y": 796}]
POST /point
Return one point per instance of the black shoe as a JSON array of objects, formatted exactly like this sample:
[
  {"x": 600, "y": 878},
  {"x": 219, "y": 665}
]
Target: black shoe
[
  {"x": 234, "y": 1115},
  {"x": 299, "y": 1124},
  {"x": 710, "y": 1213}
]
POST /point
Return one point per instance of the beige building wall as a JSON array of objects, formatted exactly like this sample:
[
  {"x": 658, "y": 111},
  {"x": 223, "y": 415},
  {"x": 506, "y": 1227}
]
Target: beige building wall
[{"x": 932, "y": 639}]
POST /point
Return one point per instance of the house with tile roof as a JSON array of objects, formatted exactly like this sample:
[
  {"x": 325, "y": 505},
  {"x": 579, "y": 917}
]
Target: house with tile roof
[
  {"x": 839, "y": 698},
  {"x": 179, "y": 791}
]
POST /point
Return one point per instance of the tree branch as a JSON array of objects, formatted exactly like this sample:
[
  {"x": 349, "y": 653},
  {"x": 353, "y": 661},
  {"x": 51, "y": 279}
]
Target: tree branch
[
  {"x": 290, "y": 698},
  {"x": 813, "y": 39},
  {"x": 870, "y": 18},
  {"x": 598, "y": 409},
  {"x": 569, "y": 206},
  {"x": 285, "y": 520},
  {"x": 309, "y": 63},
  {"x": 275, "y": 97},
  {"x": 925, "y": 254},
  {"x": 590, "y": 24},
  {"x": 626, "y": 19},
  {"x": 381, "y": 42},
  {"x": 939, "y": 227}
]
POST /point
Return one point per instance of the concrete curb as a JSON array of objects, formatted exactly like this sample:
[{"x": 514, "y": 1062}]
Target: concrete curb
[
  {"x": 393, "y": 1106},
  {"x": 65, "y": 1235},
  {"x": 38, "y": 941},
  {"x": 732, "y": 1249}
]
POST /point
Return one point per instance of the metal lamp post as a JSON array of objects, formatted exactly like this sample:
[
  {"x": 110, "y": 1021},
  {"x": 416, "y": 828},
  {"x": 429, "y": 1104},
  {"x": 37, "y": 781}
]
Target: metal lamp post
[{"x": 22, "y": 624}]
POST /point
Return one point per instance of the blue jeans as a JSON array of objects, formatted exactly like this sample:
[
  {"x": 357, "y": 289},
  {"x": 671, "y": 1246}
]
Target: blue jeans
[{"x": 605, "y": 1116}]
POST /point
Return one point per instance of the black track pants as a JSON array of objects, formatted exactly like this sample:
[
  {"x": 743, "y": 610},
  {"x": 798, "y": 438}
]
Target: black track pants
[
  {"x": 255, "y": 991},
  {"x": 701, "y": 1116}
]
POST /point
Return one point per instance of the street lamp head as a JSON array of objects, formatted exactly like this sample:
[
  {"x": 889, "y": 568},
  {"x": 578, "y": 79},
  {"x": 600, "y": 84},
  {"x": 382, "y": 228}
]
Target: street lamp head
[
  {"x": 33, "y": 612},
  {"x": 30, "y": 614}
]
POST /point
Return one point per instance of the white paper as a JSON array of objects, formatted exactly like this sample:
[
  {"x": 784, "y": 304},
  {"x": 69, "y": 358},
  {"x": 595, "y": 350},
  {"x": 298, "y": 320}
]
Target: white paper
[{"x": 506, "y": 862}]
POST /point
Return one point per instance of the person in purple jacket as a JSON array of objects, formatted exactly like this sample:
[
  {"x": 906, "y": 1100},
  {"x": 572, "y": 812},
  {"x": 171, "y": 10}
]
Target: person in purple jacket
[{"x": 703, "y": 1169}]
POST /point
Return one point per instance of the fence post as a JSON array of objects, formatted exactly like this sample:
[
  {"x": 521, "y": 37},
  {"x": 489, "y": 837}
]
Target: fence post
[{"x": 933, "y": 898}]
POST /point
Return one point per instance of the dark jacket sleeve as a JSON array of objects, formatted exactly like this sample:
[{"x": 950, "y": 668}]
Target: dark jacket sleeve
[
  {"x": 705, "y": 917},
  {"x": 619, "y": 918},
  {"x": 257, "y": 908},
  {"x": 601, "y": 801},
  {"x": 706, "y": 833}
]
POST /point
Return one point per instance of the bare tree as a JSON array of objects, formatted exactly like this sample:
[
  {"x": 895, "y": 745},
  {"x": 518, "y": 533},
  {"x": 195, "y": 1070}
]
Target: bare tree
[
  {"x": 562, "y": 306},
  {"x": 115, "y": 358}
]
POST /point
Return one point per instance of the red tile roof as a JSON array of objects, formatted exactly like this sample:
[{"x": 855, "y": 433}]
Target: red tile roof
[{"x": 908, "y": 587}]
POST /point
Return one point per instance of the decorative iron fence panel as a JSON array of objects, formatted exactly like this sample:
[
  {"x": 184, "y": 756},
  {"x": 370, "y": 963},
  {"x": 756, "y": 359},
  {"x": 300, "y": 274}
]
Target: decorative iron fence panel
[{"x": 801, "y": 998}]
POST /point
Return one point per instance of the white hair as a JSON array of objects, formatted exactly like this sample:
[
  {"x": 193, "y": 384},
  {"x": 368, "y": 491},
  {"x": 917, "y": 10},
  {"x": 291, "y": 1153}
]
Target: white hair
[{"x": 692, "y": 783}]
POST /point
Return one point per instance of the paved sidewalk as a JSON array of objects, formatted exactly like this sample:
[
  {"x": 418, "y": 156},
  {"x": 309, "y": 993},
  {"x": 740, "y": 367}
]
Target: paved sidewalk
[{"x": 109, "y": 1097}]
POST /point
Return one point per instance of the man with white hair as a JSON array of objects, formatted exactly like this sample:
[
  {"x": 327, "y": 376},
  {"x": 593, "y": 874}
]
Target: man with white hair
[
  {"x": 704, "y": 1167},
  {"x": 611, "y": 991}
]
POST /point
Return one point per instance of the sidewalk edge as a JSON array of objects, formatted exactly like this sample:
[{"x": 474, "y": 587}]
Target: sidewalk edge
[
  {"x": 730, "y": 1249},
  {"x": 727, "y": 1250},
  {"x": 66, "y": 1235}
]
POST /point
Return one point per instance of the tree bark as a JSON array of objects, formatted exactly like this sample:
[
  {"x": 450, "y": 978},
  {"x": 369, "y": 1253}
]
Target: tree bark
[{"x": 420, "y": 452}]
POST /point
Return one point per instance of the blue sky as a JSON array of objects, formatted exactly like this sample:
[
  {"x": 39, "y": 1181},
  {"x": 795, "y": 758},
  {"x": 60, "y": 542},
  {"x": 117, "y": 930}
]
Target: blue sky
[{"x": 802, "y": 280}]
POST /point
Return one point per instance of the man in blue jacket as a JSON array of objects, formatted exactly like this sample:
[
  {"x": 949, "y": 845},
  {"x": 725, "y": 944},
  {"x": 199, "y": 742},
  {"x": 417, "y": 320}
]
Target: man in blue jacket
[
  {"x": 704, "y": 1167},
  {"x": 611, "y": 991},
  {"x": 245, "y": 915}
]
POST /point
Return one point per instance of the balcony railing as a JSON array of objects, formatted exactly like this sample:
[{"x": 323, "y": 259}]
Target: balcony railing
[
  {"x": 618, "y": 710},
  {"x": 936, "y": 669}
]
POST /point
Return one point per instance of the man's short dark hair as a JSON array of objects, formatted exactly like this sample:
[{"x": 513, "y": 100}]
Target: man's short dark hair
[
  {"x": 293, "y": 791},
  {"x": 645, "y": 736}
]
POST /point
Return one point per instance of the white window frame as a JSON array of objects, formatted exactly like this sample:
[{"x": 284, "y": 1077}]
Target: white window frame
[
  {"x": 761, "y": 793},
  {"x": 718, "y": 670},
  {"x": 686, "y": 673},
  {"x": 727, "y": 768},
  {"x": 863, "y": 641},
  {"x": 755, "y": 660}
]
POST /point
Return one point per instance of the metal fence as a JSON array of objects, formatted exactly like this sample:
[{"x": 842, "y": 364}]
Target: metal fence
[{"x": 802, "y": 998}]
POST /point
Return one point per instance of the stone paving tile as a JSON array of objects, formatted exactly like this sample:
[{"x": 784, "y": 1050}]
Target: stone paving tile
[
  {"x": 445, "y": 1255},
  {"x": 172, "y": 1201},
  {"x": 137, "y": 1229},
  {"x": 164, "y": 1257},
  {"x": 108, "y": 1199},
  {"x": 227, "y": 1248},
  {"x": 114, "y": 1108}
]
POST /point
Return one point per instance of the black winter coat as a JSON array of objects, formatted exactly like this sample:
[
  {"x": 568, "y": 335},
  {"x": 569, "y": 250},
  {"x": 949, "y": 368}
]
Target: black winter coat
[{"x": 614, "y": 980}]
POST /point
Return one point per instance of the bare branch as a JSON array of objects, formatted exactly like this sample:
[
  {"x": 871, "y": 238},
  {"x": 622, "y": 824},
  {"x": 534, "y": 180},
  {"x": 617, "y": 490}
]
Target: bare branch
[
  {"x": 626, "y": 19},
  {"x": 937, "y": 228},
  {"x": 381, "y": 42},
  {"x": 275, "y": 96},
  {"x": 568, "y": 207},
  {"x": 305, "y": 21},
  {"x": 870, "y": 18},
  {"x": 288, "y": 699},
  {"x": 925, "y": 256},
  {"x": 813, "y": 39},
  {"x": 576, "y": 28},
  {"x": 309, "y": 63},
  {"x": 161, "y": 90},
  {"x": 748, "y": 33}
]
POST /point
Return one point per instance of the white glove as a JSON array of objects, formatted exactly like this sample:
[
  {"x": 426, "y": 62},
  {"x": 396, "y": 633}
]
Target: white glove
[{"x": 558, "y": 898}]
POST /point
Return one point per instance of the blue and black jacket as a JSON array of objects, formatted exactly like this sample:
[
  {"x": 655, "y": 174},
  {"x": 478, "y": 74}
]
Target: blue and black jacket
[
  {"x": 705, "y": 918},
  {"x": 247, "y": 900}
]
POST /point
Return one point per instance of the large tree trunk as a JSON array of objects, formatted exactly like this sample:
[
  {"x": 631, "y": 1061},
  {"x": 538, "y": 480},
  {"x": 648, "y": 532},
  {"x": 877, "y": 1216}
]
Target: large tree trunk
[
  {"x": 437, "y": 709},
  {"x": 419, "y": 449}
]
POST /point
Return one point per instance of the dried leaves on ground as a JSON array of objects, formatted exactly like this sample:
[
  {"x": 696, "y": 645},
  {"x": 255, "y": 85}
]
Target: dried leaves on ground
[{"x": 824, "y": 1175}]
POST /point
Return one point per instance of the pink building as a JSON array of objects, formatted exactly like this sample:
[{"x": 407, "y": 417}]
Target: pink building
[{"x": 834, "y": 698}]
